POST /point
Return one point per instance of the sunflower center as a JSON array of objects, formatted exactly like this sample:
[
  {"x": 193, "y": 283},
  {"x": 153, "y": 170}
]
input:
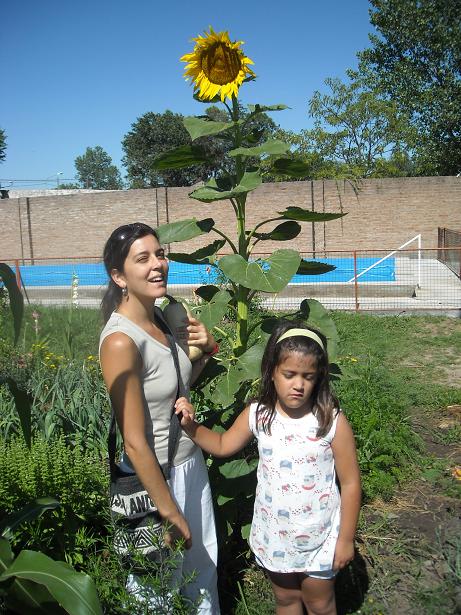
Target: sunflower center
[{"x": 220, "y": 64}]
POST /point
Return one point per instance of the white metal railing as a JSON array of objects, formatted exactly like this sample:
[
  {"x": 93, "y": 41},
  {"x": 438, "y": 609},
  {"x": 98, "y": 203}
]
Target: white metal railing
[{"x": 404, "y": 245}]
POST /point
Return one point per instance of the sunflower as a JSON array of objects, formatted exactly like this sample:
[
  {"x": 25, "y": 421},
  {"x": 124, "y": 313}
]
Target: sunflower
[{"x": 217, "y": 66}]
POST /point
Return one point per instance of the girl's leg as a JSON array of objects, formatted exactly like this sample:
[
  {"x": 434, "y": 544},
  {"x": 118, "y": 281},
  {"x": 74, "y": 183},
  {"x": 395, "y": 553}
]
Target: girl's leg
[
  {"x": 318, "y": 596},
  {"x": 287, "y": 592}
]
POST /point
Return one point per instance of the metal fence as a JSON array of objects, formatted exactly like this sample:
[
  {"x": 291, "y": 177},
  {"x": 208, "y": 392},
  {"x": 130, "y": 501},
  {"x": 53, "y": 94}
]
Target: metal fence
[
  {"x": 410, "y": 280},
  {"x": 449, "y": 251}
]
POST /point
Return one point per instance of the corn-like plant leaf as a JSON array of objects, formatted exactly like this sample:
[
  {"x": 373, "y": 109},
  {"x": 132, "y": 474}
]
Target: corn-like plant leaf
[
  {"x": 30, "y": 511},
  {"x": 180, "y": 157},
  {"x": 184, "y": 229},
  {"x": 75, "y": 591},
  {"x": 16, "y": 299},
  {"x": 213, "y": 192},
  {"x": 23, "y": 407},
  {"x": 306, "y": 215},
  {"x": 201, "y": 127},
  {"x": 270, "y": 275}
]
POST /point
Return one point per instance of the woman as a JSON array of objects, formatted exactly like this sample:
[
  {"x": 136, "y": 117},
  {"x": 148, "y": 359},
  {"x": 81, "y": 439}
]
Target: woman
[{"x": 139, "y": 373}]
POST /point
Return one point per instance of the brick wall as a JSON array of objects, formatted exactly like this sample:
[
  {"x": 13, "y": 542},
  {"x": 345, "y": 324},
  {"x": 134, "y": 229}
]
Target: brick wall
[{"x": 381, "y": 214}]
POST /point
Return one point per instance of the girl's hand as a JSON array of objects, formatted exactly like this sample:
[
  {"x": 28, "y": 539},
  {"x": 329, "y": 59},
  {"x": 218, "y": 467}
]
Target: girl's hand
[
  {"x": 344, "y": 554},
  {"x": 199, "y": 335},
  {"x": 186, "y": 409}
]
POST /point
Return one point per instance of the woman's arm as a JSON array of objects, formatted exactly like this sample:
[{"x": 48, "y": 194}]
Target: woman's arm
[
  {"x": 347, "y": 469},
  {"x": 198, "y": 335},
  {"x": 219, "y": 444},
  {"x": 121, "y": 368}
]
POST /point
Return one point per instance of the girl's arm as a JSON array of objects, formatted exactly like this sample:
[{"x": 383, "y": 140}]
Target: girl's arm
[
  {"x": 347, "y": 469},
  {"x": 121, "y": 367},
  {"x": 219, "y": 444}
]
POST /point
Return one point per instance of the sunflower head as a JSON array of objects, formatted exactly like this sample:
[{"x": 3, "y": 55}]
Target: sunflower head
[{"x": 217, "y": 66}]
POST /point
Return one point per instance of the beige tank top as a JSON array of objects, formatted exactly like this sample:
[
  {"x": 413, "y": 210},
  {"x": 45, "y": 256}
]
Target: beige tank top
[{"x": 159, "y": 384}]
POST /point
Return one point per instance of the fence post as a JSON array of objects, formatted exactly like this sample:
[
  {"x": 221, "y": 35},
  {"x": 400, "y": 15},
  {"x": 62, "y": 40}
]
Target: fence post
[
  {"x": 356, "y": 284},
  {"x": 18, "y": 273}
]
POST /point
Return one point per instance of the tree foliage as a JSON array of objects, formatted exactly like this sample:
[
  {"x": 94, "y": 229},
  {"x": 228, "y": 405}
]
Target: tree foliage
[
  {"x": 357, "y": 132},
  {"x": 416, "y": 59},
  {"x": 2, "y": 145},
  {"x": 95, "y": 170}
]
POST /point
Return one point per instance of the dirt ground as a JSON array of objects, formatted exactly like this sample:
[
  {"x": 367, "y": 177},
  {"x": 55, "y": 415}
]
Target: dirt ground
[{"x": 409, "y": 554}]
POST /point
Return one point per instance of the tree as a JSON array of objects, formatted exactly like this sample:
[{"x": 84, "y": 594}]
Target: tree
[
  {"x": 95, "y": 170},
  {"x": 2, "y": 145},
  {"x": 416, "y": 59},
  {"x": 150, "y": 135},
  {"x": 355, "y": 130}
]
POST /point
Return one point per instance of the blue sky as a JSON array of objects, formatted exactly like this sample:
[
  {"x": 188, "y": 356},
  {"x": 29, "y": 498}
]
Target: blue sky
[{"x": 78, "y": 74}]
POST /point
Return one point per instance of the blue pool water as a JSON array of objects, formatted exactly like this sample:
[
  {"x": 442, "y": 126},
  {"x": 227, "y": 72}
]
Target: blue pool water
[{"x": 180, "y": 273}]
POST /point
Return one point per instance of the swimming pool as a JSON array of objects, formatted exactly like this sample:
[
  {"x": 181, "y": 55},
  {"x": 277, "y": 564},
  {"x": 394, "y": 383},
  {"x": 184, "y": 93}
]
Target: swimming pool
[{"x": 94, "y": 274}]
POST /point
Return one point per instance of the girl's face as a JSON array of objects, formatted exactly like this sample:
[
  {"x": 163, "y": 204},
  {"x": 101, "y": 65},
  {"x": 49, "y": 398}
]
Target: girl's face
[
  {"x": 294, "y": 380},
  {"x": 145, "y": 270}
]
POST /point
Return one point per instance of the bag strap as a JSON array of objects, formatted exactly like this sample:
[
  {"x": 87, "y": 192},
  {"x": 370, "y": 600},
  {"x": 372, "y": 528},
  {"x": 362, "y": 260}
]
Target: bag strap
[{"x": 175, "y": 425}]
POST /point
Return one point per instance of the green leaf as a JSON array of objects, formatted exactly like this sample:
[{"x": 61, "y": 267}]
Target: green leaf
[
  {"x": 212, "y": 313},
  {"x": 318, "y": 317},
  {"x": 250, "y": 361},
  {"x": 292, "y": 168},
  {"x": 282, "y": 232},
  {"x": 307, "y": 215},
  {"x": 182, "y": 230},
  {"x": 263, "y": 108},
  {"x": 183, "y": 156},
  {"x": 270, "y": 275},
  {"x": 227, "y": 385},
  {"x": 274, "y": 147},
  {"x": 245, "y": 531},
  {"x": 199, "y": 256},
  {"x": 24, "y": 596},
  {"x": 75, "y": 591},
  {"x": 314, "y": 268},
  {"x": 16, "y": 299},
  {"x": 30, "y": 511},
  {"x": 200, "y": 127},
  {"x": 238, "y": 467},
  {"x": 207, "y": 291},
  {"x": 23, "y": 407},
  {"x": 212, "y": 192}
]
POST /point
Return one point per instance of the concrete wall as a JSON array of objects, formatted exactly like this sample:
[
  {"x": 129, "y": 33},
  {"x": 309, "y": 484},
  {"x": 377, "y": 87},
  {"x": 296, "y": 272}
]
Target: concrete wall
[{"x": 381, "y": 214}]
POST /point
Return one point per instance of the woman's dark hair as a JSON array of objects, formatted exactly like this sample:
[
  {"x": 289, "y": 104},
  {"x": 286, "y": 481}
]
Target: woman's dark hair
[
  {"x": 324, "y": 402},
  {"x": 115, "y": 252}
]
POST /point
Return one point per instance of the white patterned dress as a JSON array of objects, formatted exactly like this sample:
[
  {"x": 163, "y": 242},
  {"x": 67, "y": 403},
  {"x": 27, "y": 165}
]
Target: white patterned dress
[{"x": 297, "y": 507}]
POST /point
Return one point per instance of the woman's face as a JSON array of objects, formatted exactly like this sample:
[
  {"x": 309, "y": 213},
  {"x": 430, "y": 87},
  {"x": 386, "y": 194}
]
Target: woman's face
[{"x": 145, "y": 270}]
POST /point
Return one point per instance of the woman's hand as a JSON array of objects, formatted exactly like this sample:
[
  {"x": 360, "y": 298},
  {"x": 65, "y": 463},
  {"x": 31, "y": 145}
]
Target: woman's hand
[
  {"x": 177, "y": 529},
  {"x": 184, "y": 408},
  {"x": 200, "y": 336},
  {"x": 344, "y": 554}
]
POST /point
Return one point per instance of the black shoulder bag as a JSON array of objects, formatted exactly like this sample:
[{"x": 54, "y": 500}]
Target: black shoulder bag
[{"x": 138, "y": 526}]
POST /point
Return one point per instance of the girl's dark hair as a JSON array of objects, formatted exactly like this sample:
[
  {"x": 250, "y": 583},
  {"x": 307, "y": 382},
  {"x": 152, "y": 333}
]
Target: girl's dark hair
[
  {"x": 115, "y": 252},
  {"x": 324, "y": 402}
]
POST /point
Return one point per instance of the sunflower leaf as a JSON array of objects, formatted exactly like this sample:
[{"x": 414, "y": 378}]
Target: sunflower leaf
[
  {"x": 314, "y": 268},
  {"x": 282, "y": 232},
  {"x": 263, "y": 108},
  {"x": 307, "y": 215},
  {"x": 274, "y": 147},
  {"x": 184, "y": 229},
  {"x": 269, "y": 275},
  {"x": 184, "y": 156},
  {"x": 199, "y": 127},
  {"x": 212, "y": 192},
  {"x": 199, "y": 256}
]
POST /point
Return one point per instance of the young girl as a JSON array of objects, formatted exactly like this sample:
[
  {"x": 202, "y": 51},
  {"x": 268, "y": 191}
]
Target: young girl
[{"x": 303, "y": 528}]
